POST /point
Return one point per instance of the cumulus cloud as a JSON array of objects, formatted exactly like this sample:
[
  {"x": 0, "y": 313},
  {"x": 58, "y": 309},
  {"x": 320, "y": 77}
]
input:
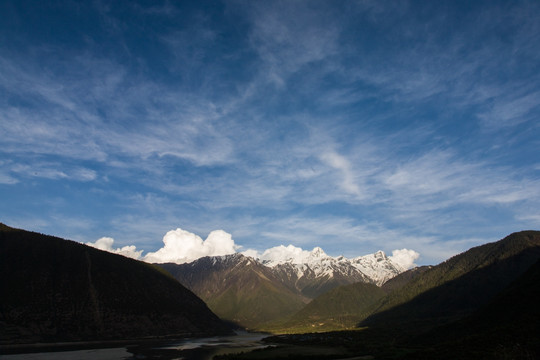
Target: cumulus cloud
[
  {"x": 404, "y": 258},
  {"x": 251, "y": 253},
  {"x": 280, "y": 254},
  {"x": 106, "y": 244},
  {"x": 181, "y": 246}
]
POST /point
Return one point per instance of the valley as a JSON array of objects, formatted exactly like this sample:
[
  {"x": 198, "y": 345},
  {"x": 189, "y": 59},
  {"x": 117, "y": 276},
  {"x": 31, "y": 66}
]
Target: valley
[
  {"x": 56, "y": 290},
  {"x": 263, "y": 295}
]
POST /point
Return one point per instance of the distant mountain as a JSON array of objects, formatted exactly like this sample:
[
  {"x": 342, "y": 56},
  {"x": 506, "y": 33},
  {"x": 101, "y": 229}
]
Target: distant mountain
[
  {"x": 459, "y": 286},
  {"x": 481, "y": 304},
  {"x": 317, "y": 272},
  {"x": 343, "y": 306},
  {"x": 505, "y": 327},
  {"x": 59, "y": 290},
  {"x": 238, "y": 288},
  {"x": 378, "y": 267},
  {"x": 252, "y": 293},
  {"x": 426, "y": 296}
]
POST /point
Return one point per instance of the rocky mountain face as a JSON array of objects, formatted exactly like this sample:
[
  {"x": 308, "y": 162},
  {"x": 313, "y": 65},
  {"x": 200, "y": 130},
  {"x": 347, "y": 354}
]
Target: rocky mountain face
[
  {"x": 418, "y": 297},
  {"x": 238, "y": 288},
  {"x": 252, "y": 292},
  {"x": 378, "y": 267},
  {"x": 318, "y": 272},
  {"x": 59, "y": 290}
]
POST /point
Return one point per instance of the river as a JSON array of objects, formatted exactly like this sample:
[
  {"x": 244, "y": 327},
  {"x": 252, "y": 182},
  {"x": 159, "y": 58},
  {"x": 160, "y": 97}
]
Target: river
[{"x": 188, "y": 349}]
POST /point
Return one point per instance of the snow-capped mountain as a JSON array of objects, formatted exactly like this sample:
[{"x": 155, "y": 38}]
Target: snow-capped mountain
[
  {"x": 316, "y": 279},
  {"x": 378, "y": 267},
  {"x": 247, "y": 291},
  {"x": 317, "y": 266}
]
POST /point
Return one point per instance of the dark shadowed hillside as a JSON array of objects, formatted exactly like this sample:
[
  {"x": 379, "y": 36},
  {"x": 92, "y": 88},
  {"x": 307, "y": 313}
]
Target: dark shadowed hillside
[
  {"x": 460, "y": 285},
  {"x": 504, "y": 328},
  {"x": 59, "y": 290}
]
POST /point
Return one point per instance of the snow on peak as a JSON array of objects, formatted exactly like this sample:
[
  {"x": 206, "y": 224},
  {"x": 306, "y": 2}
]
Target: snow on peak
[
  {"x": 317, "y": 252},
  {"x": 284, "y": 254},
  {"x": 377, "y": 266}
]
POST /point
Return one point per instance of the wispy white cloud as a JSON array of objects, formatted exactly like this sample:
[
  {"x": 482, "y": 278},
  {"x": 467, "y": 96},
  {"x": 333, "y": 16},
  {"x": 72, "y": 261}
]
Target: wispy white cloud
[
  {"x": 54, "y": 171},
  {"x": 340, "y": 163},
  {"x": 431, "y": 173},
  {"x": 68, "y": 123},
  {"x": 7, "y": 179},
  {"x": 360, "y": 126},
  {"x": 288, "y": 36},
  {"x": 511, "y": 110},
  {"x": 165, "y": 9}
]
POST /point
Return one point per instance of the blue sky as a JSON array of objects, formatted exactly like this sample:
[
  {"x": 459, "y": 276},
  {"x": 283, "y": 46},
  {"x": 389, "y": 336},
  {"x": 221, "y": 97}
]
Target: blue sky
[{"x": 354, "y": 126}]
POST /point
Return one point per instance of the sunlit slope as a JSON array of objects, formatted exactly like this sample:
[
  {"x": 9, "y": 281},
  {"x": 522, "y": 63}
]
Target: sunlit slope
[
  {"x": 59, "y": 290},
  {"x": 404, "y": 278},
  {"x": 337, "y": 309},
  {"x": 238, "y": 289}
]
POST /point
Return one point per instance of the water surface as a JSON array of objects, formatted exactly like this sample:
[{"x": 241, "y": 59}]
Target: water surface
[{"x": 188, "y": 349}]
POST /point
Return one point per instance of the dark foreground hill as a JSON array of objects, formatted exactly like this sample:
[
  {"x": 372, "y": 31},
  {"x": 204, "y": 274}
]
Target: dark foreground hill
[
  {"x": 459, "y": 286},
  {"x": 507, "y": 327},
  {"x": 59, "y": 290}
]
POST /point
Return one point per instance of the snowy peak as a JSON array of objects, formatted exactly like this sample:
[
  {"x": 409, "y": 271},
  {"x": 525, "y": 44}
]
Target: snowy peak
[
  {"x": 317, "y": 252},
  {"x": 377, "y": 266},
  {"x": 295, "y": 263},
  {"x": 309, "y": 273},
  {"x": 312, "y": 272}
]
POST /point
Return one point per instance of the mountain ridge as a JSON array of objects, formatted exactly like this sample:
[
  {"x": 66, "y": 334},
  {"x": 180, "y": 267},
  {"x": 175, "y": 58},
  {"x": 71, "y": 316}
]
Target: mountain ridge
[
  {"x": 285, "y": 285},
  {"x": 237, "y": 288},
  {"x": 60, "y": 290},
  {"x": 424, "y": 296},
  {"x": 460, "y": 284},
  {"x": 374, "y": 268}
]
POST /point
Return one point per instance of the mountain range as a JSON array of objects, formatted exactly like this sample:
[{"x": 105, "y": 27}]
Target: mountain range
[
  {"x": 239, "y": 288},
  {"x": 254, "y": 293},
  {"x": 318, "y": 292},
  {"x": 482, "y": 303}
]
